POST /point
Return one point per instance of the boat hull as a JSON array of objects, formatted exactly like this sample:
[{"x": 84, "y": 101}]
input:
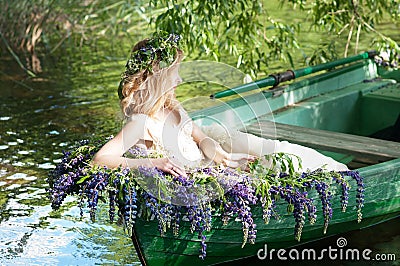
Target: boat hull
[
  {"x": 382, "y": 202},
  {"x": 224, "y": 242}
]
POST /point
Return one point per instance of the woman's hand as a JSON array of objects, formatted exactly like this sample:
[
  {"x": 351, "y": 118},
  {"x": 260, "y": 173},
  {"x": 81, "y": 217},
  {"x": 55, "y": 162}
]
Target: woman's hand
[
  {"x": 236, "y": 160},
  {"x": 168, "y": 166},
  {"x": 214, "y": 151}
]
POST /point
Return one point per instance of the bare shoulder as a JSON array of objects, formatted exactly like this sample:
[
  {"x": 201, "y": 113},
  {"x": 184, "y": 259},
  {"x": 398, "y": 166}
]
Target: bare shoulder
[
  {"x": 138, "y": 118},
  {"x": 135, "y": 122},
  {"x": 137, "y": 127}
]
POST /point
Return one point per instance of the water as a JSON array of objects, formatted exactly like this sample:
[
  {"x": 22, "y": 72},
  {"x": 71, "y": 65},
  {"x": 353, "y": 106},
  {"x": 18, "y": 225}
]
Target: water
[{"x": 41, "y": 117}]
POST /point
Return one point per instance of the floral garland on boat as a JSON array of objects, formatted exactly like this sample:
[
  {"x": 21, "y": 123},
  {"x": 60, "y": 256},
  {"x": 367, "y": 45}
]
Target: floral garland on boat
[{"x": 238, "y": 192}]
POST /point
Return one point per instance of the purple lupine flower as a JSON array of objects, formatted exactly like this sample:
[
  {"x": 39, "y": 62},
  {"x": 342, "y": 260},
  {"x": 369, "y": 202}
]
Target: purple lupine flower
[{"x": 360, "y": 191}]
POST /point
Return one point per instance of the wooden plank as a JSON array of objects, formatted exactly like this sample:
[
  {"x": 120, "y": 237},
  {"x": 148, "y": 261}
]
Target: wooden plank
[{"x": 359, "y": 146}]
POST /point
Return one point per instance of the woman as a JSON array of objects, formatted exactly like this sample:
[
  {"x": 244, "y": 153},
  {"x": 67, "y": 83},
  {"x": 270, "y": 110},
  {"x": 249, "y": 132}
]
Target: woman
[{"x": 156, "y": 121}]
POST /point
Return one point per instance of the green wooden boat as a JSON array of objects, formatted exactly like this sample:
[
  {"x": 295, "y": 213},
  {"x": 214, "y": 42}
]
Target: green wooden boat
[{"x": 351, "y": 113}]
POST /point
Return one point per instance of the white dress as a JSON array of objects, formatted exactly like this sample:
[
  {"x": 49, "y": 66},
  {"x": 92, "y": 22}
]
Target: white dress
[
  {"x": 176, "y": 142},
  {"x": 235, "y": 141}
]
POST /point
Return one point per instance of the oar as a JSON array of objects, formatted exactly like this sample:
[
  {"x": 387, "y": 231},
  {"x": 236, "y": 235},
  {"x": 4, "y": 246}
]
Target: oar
[{"x": 275, "y": 79}]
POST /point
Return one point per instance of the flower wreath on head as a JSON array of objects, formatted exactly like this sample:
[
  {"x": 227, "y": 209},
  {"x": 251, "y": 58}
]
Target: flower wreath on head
[{"x": 161, "y": 48}]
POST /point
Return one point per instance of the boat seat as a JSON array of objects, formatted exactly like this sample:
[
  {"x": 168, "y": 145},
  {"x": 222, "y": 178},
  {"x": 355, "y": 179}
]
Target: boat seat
[
  {"x": 391, "y": 133},
  {"x": 376, "y": 150}
]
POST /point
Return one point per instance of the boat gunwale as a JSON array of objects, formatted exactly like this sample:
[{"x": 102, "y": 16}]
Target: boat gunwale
[{"x": 273, "y": 92}]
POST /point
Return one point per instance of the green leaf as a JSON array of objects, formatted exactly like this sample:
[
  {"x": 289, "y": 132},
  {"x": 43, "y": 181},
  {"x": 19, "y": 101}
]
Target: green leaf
[{"x": 83, "y": 179}]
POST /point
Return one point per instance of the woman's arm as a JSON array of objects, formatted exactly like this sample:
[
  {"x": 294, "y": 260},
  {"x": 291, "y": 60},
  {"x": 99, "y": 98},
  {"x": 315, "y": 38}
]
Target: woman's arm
[
  {"x": 209, "y": 146},
  {"x": 111, "y": 154},
  {"x": 214, "y": 151}
]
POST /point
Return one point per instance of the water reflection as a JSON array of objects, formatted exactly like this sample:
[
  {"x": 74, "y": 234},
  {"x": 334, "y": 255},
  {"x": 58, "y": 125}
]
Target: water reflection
[
  {"x": 31, "y": 234},
  {"x": 38, "y": 120}
]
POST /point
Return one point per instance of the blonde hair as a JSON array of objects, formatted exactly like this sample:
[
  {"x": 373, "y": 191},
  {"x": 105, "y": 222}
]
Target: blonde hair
[{"x": 146, "y": 92}]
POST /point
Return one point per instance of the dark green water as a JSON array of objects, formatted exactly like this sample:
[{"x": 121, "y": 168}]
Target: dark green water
[{"x": 41, "y": 117}]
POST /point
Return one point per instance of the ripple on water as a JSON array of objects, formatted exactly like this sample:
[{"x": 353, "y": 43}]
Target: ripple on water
[
  {"x": 3, "y": 172},
  {"x": 24, "y": 152},
  {"x": 16, "y": 176},
  {"x": 47, "y": 165},
  {"x": 13, "y": 186},
  {"x": 54, "y": 132},
  {"x": 33, "y": 235},
  {"x": 14, "y": 180}
]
